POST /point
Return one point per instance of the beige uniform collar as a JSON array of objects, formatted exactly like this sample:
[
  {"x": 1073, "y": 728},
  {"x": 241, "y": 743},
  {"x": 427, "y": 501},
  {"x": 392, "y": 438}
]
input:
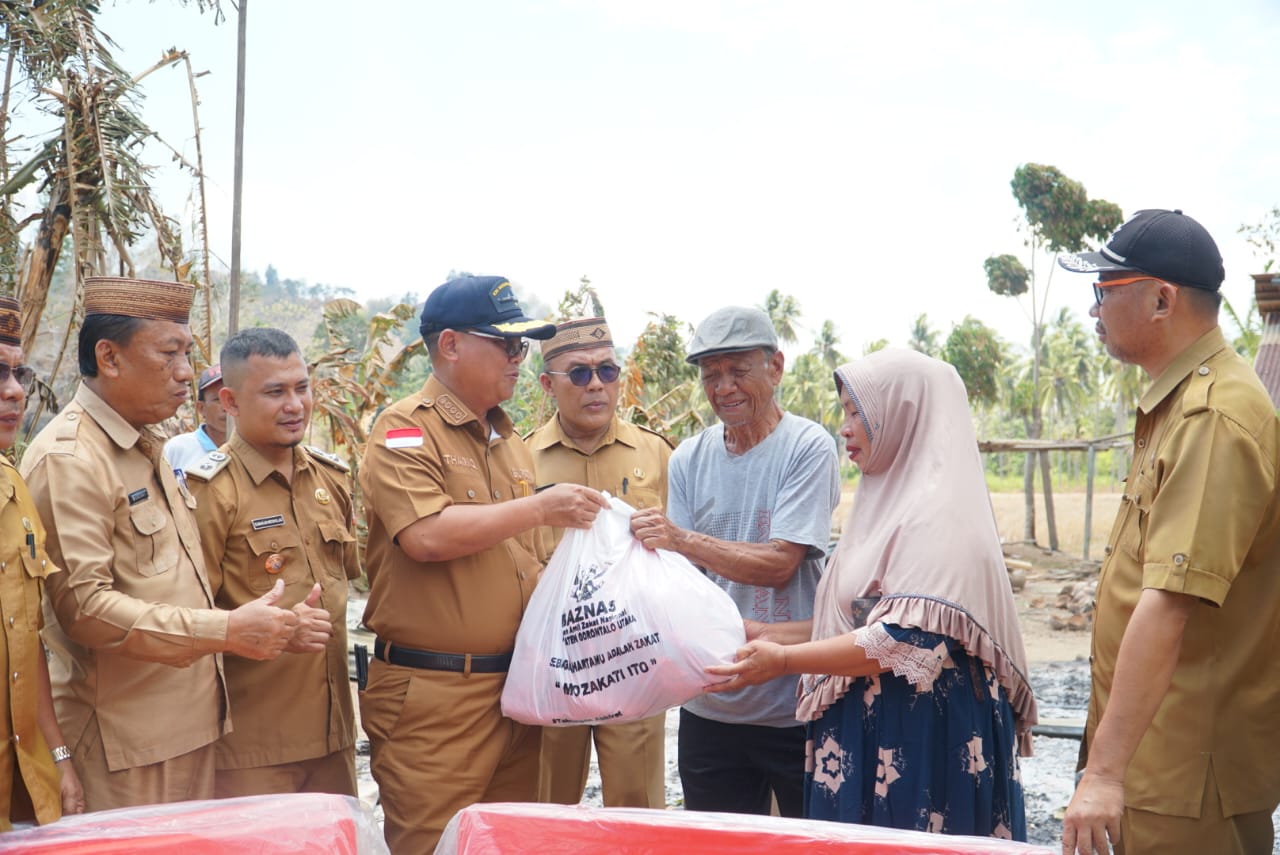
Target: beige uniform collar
[
  {"x": 1183, "y": 364},
  {"x": 112, "y": 423},
  {"x": 436, "y": 394},
  {"x": 552, "y": 433},
  {"x": 256, "y": 465}
]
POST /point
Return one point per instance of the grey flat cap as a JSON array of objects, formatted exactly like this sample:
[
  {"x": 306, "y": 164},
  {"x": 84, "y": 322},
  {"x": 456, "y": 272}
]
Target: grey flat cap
[{"x": 729, "y": 329}]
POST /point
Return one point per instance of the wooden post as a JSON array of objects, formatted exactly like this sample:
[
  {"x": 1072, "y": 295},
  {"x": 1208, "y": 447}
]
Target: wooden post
[
  {"x": 1088, "y": 498},
  {"x": 233, "y": 310}
]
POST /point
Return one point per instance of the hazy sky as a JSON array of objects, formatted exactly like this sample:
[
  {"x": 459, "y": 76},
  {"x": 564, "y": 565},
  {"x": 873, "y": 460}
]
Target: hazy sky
[{"x": 687, "y": 154}]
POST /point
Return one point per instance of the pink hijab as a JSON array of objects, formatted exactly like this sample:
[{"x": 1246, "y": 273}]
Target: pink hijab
[{"x": 921, "y": 535}]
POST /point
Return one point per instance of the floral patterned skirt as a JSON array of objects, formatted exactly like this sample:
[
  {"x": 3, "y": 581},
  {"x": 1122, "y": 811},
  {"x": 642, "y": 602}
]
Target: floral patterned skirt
[{"x": 939, "y": 756}]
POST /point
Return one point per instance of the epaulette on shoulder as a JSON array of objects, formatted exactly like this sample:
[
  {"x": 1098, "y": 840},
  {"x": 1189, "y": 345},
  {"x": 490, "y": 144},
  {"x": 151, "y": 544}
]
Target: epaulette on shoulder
[
  {"x": 1196, "y": 398},
  {"x": 66, "y": 426},
  {"x": 213, "y": 463},
  {"x": 325, "y": 457},
  {"x": 662, "y": 437}
]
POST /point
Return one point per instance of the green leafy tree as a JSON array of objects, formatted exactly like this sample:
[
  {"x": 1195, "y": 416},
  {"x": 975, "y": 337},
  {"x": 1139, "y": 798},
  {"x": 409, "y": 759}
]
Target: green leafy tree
[
  {"x": 924, "y": 339},
  {"x": 1058, "y": 216},
  {"x": 826, "y": 347},
  {"x": 660, "y": 390},
  {"x": 977, "y": 353},
  {"x": 784, "y": 311}
]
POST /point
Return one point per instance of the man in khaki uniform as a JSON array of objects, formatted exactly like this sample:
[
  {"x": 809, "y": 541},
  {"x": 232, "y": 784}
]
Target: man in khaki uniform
[
  {"x": 136, "y": 665},
  {"x": 37, "y": 781},
  {"x": 1180, "y": 741},
  {"x": 270, "y": 509},
  {"x": 586, "y": 443},
  {"x": 453, "y": 555}
]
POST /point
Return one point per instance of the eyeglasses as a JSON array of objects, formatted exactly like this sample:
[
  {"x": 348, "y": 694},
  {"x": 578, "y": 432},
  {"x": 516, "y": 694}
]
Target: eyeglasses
[
  {"x": 580, "y": 375},
  {"x": 1099, "y": 287},
  {"x": 515, "y": 347},
  {"x": 24, "y": 374}
]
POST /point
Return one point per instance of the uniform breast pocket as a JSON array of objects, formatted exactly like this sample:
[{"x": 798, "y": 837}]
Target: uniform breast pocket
[
  {"x": 642, "y": 497},
  {"x": 335, "y": 538},
  {"x": 1133, "y": 537},
  {"x": 155, "y": 539},
  {"x": 35, "y": 569},
  {"x": 467, "y": 487},
  {"x": 274, "y": 553}
]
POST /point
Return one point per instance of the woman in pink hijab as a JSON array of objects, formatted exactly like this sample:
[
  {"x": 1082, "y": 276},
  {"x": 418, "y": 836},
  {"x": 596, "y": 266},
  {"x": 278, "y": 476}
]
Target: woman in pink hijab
[{"x": 914, "y": 687}]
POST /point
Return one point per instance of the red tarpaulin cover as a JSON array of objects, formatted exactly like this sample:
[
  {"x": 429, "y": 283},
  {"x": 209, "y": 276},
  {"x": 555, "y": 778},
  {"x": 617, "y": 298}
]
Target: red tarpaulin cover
[
  {"x": 493, "y": 829},
  {"x": 256, "y": 825}
]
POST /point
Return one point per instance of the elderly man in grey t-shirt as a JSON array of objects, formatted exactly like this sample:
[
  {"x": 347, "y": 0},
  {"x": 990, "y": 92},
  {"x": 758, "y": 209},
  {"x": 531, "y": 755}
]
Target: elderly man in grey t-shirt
[{"x": 750, "y": 502}]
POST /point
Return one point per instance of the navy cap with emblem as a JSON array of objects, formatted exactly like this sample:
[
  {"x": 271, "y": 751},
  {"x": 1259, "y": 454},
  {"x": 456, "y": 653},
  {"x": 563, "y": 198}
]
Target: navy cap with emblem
[
  {"x": 485, "y": 304},
  {"x": 1166, "y": 245}
]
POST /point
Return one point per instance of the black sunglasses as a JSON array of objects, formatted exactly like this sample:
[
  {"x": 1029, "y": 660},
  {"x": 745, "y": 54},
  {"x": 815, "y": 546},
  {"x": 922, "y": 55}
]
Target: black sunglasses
[
  {"x": 580, "y": 375},
  {"x": 514, "y": 346},
  {"x": 24, "y": 374}
]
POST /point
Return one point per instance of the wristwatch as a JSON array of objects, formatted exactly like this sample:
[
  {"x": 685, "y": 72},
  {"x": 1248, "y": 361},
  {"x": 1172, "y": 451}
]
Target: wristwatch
[{"x": 61, "y": 753}]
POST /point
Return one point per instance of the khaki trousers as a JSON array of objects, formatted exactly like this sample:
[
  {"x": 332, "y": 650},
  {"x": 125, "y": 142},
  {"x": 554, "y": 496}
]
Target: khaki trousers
[
  {"x": 631, "y": 758},
  {"x": 1244, "y": 834},
  {"x": 187, "y": 777},
  {"x": 438, "y": 743},
  {"x": 332, "y": 773}
]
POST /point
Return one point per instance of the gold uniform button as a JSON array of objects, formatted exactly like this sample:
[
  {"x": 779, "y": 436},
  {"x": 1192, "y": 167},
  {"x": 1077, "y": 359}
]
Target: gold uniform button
[{"x": 322, "y": 495}]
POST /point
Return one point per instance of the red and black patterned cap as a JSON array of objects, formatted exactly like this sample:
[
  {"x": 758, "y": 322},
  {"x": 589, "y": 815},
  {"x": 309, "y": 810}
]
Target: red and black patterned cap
[
  {"x": 10, "y": 321},
  {"x": 150, "y": 299}
]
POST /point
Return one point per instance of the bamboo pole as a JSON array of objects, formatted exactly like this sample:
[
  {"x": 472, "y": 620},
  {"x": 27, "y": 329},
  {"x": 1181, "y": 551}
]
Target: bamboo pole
[{"x": 233, "y": 314}]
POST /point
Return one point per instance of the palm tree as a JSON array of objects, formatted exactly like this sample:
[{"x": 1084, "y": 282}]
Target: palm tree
[
  {"x": 784, "y": 311},
  {"x": 923, "y": 338}
]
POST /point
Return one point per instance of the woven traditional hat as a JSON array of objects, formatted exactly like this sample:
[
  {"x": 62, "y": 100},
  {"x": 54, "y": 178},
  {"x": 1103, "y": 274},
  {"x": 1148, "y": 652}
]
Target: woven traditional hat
[
  {"x": 151, "y": 299},
  {"x": 10, "y": 321},
  {"x": 580, "y": 334}
]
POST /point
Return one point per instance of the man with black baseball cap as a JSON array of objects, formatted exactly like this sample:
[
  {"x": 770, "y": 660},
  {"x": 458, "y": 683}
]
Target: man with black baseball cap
[
  {"x": 453, "y": 555},
  {"x": 1180, "y": 740}
]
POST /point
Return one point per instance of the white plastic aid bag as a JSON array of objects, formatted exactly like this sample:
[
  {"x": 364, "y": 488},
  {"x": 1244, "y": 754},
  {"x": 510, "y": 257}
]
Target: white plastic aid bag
[{"x": 615, "y": 632}]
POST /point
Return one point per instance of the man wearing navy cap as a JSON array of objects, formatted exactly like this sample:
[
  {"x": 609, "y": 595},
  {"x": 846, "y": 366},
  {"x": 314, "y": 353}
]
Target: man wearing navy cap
[
  {"x": 453, "y": 555},
  {"x": 1179, "y": 752}
]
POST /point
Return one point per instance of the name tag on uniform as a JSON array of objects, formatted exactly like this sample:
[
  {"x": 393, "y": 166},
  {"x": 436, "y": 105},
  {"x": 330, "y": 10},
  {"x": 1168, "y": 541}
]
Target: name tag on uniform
[
  {"x": 137, "y": 496},
  {"x": 404, "y": 437},
  {"x": 266, "y": 522}
]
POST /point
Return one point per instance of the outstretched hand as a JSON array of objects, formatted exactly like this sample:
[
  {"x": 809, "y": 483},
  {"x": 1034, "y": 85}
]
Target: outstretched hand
[
  {"x": 755, "y": 663},
  {"x": 315, "y": 627},
  {"x": 260, "y": 630},
  {"x": 571, "y": 505},
  {"x": 655, "y": 530}
]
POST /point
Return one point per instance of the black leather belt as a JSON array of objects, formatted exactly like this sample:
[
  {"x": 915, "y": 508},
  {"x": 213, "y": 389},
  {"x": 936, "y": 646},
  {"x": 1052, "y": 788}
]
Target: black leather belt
[{"x": 462, "y": 663}]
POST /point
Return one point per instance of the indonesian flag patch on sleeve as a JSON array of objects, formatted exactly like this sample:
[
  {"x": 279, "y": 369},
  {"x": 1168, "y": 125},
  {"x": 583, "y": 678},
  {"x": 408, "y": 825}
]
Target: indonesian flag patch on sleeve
[{"x": 409, "y": 437}]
